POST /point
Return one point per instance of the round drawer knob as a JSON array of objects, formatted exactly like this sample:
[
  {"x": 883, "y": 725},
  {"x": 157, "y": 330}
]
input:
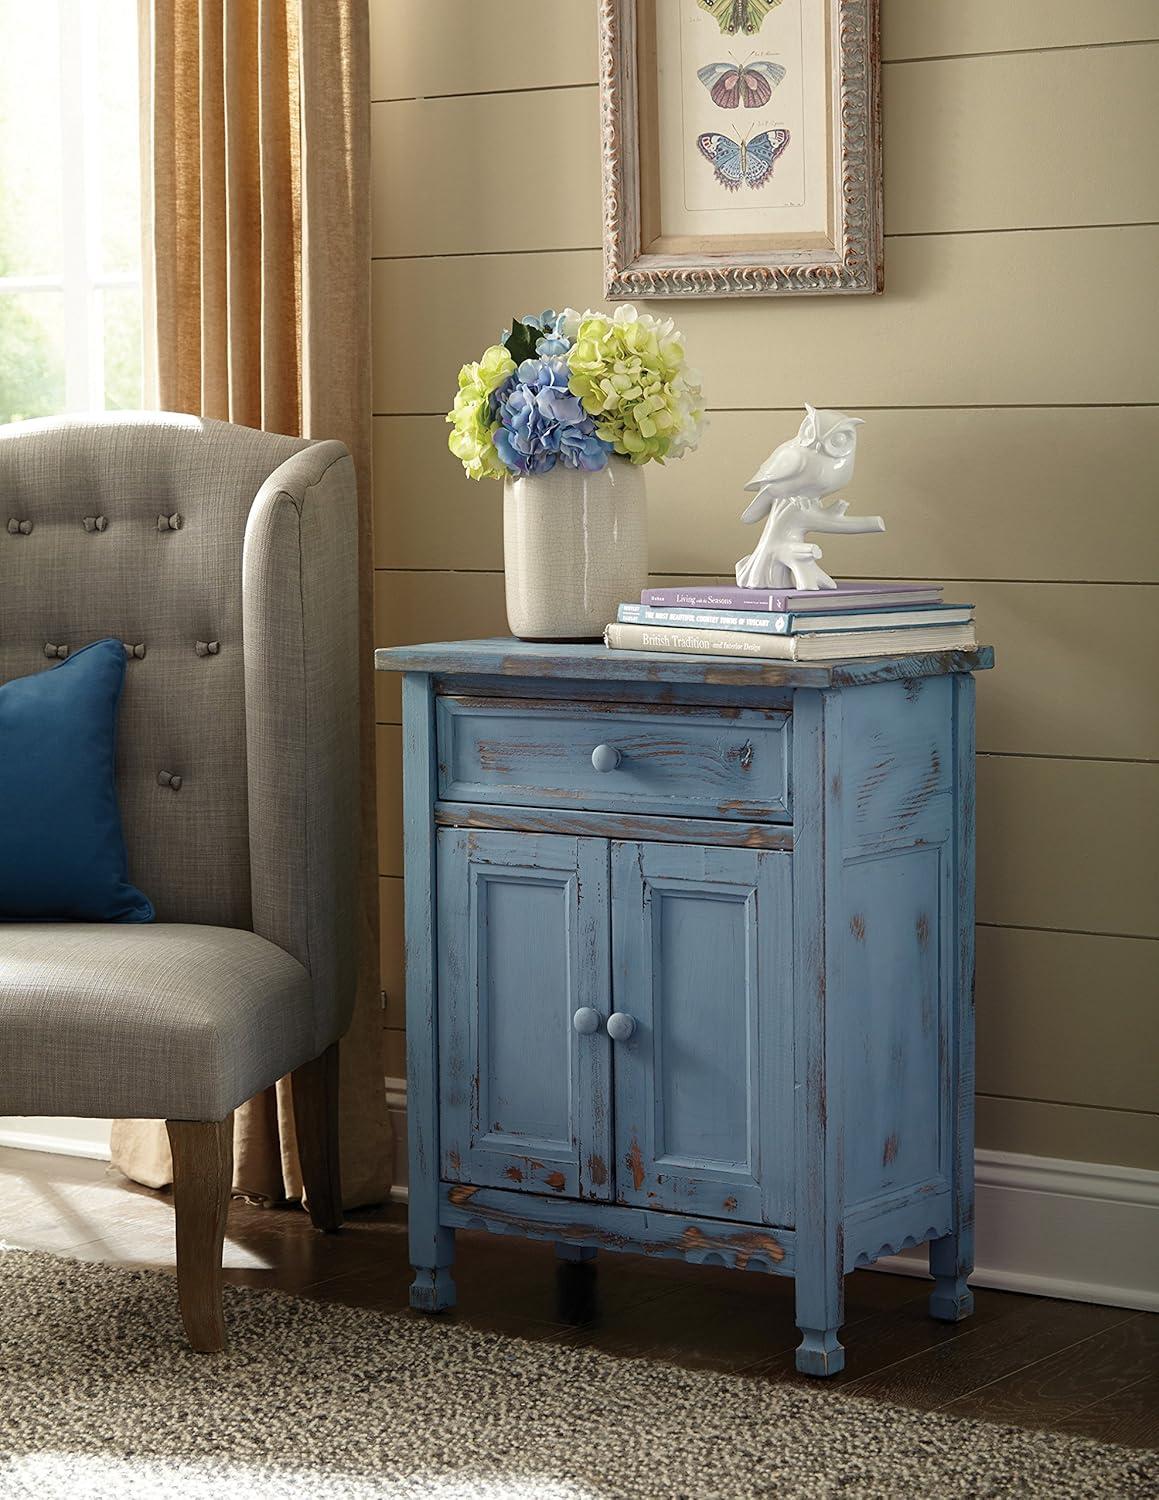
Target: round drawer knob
[
  {"x": 620, "y": 1026},
  {"x": 586, "y": 1020},
  {"x": 605, "y": 757}
]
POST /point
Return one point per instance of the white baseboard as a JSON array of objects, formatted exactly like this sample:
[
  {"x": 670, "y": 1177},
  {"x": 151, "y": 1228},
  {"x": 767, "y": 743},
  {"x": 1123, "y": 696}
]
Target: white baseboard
[
  {"x": 1079, "y": 1230},
  {"x": 396, "y": 1107},
  {"x": 60, "y": 1137}
]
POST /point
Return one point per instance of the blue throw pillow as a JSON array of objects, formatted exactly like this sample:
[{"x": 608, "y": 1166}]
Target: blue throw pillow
[{"x": 62, "y": 852}]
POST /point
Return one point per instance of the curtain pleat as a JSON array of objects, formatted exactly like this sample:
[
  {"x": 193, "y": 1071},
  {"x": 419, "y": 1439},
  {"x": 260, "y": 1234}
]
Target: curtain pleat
[
  {"x": 257, "y": 241},
  {"x": 281, "y": 221}
]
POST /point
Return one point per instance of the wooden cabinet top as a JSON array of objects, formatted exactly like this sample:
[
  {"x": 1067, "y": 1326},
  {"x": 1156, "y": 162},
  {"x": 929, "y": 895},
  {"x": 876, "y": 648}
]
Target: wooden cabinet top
[{"x": 504, "y": 656}]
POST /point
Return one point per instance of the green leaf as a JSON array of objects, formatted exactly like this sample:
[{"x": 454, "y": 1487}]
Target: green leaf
[{"x": 520, "y": 343}]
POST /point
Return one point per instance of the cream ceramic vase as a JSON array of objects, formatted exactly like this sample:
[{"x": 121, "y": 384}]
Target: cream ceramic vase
[{"x": 575, "y": 546}]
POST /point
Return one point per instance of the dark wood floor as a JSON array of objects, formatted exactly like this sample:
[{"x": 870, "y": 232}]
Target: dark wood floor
[{"x": 1066, "y": 1366}]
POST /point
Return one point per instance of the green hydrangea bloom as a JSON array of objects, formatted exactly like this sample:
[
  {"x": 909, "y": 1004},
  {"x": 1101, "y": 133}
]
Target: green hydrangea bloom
[
  {"x": 629, "y": 372},
  {"x": 470, "y": 417}
]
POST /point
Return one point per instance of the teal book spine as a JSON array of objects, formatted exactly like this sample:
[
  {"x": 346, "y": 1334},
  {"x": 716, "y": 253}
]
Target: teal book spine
[
  {"x": 765, "y": 622},
  {"x": 769, "y": 622}
]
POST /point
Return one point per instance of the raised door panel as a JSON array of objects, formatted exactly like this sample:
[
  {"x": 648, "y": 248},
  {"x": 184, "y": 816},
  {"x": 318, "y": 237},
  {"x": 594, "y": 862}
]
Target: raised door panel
[
  {"x": 523, "y": 945},
  {"x": 702, "y": 962}
]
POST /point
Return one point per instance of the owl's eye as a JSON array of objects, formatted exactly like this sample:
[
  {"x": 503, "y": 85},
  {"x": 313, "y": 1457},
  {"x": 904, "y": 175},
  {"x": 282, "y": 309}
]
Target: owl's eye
[
  {"x": 808, "y": 433},
  {"x": 838, "y": 443}
]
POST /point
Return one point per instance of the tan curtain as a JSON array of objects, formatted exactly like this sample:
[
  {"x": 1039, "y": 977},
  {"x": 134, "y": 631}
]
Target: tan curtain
[{"x": 256, "y": 118}]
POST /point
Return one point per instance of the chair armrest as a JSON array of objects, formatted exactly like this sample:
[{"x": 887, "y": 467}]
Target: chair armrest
[{"x": 300, "y": 620}]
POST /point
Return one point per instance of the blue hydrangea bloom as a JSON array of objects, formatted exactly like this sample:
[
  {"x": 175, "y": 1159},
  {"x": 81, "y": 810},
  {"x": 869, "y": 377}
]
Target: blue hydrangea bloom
[
  {"x": 550, "y": 324},
  {"x": 541, "y": 423}
]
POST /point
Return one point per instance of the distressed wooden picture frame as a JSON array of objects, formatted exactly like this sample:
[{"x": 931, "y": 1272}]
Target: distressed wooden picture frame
[{"x": 641, "y": 261}]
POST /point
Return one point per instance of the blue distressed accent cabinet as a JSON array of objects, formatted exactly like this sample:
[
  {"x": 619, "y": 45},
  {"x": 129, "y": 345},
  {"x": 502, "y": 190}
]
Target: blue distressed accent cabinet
[{"x": 690, "y": 961}]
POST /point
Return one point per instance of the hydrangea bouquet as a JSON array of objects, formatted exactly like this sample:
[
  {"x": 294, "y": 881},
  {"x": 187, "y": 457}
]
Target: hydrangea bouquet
[{"x": 575, "y": 389}]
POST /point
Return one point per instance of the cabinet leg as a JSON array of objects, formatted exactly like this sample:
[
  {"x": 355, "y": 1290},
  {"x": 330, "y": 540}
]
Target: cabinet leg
[
  {"x": 820, "y": 1313},
  {"x": 820, "y": 1352},
  {"x": 432, "y": 1255},
  {"x": 951, "y": 1261},
  {"x": 564, "y": 1251}
]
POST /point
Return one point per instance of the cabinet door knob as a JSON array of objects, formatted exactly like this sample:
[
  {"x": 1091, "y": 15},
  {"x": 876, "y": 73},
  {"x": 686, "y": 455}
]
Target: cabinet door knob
[
  {"x": 605, "y": 757},
  {"x": 620, "y": 1026},
  {"x": 586, "y": 1020}
]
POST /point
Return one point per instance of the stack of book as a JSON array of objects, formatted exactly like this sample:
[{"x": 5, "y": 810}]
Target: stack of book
[{"x": 854, "y": 619}]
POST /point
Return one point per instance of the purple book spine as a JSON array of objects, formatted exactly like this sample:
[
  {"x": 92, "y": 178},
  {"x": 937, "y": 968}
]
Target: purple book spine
[{"x": 710, "y": 598}]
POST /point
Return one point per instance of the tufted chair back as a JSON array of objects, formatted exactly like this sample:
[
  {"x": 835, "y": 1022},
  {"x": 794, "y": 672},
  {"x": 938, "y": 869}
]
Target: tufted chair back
[{"x": 134, "y": 526}]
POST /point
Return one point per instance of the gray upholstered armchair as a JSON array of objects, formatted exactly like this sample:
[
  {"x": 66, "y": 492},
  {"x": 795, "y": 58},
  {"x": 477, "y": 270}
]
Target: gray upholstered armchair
[{"x": 226, "y": 560}]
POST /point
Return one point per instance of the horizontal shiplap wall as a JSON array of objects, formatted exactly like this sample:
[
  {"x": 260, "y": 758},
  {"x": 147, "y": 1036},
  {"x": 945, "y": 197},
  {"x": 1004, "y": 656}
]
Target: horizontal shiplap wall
[{"x": 1011, "y": 389}]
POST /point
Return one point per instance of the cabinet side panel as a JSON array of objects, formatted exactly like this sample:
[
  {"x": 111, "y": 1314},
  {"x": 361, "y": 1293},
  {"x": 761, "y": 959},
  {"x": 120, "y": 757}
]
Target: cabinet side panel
[
  {"x": 897, "y": 773},
  {"x": 431, "y": 1245},
  {"x": 896, "y": 1026},
  {"x": 895, "y": 930}
]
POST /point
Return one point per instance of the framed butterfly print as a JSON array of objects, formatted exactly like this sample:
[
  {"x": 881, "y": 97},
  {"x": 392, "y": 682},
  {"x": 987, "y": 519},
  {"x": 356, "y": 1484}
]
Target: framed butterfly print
[{"x": 741, "y": 147}]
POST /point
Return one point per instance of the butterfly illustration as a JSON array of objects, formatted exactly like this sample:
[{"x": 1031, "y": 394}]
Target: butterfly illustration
[
  {"x": 738, "y": 15},
  {"x": 736, "y": 161},
  {"x": 732, "y": 83}
]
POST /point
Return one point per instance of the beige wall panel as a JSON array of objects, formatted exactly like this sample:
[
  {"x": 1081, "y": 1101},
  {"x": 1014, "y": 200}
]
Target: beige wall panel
[
  {"x": 439, "y": 187},
  {"x": 976, "y": 319},
  {"x": 413, "y": 607},
  {"x": 936, "y": 28},
  {"x": 1075, "y": 669},
  {"x": 454, "y": 47},
  {"x": 443, "y": 315},
  {"x": 389, "y": 799},
  {"x": 949, "y": 484},
  {"x": 1069, "y": 844},
  {"x": 949, "y": 165},
  {"x": 394, "y": 1051},
  {"x": 428, "y": 514},
  {"x": 427, "y": 47},
  {"x": 920, "y": 469},
  {"x": 394, "y": 1011},
  {"x": 1064, "y": 1016},
  {"x": 1068, "y": 1131},
  {"x": 391, "y": 946},
  {"x": 973, "y": 143}
]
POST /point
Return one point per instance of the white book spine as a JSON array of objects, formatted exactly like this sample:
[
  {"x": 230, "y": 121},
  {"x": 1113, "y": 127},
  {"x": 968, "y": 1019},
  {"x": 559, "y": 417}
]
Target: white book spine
[{"x": 696, "y": 642}]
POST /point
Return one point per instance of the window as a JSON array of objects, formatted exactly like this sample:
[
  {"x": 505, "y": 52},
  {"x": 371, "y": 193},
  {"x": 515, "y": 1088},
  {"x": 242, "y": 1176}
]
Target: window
[{"x": 70, "y": 274}]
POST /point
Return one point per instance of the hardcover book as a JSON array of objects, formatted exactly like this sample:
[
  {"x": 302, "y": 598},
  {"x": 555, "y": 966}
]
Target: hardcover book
[
  {"x": 766, "y": 622},
  {"x": 821, "y": 646},
  {"x": 786, "y": 601}
]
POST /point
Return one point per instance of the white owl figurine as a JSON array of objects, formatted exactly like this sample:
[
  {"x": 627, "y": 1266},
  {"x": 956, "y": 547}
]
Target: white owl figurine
[{"x": 792, "y": 486}]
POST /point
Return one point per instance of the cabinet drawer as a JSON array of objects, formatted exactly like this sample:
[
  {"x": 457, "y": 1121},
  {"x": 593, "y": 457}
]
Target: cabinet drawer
[{"x": 685, "y": 760}]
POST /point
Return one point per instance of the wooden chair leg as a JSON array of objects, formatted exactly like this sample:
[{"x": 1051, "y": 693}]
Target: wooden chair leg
[
  {"x": 202, "y": 1178},
  {"x": 315, "y": 1092}
]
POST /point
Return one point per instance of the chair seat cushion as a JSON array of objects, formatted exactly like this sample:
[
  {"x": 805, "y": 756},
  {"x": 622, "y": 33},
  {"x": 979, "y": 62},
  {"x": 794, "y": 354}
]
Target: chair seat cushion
[
  {"x": 62, "y": 852},
  {"x": 167, "y": 1021}
]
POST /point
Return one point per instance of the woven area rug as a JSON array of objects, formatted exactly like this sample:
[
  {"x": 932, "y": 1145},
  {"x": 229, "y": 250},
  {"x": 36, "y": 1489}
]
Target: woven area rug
[{"x": 100, "y": 1398}]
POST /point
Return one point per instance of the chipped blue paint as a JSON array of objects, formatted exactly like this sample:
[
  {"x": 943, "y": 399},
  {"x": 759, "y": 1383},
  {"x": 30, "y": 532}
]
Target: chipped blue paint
[{"x": 780, "y": 898}]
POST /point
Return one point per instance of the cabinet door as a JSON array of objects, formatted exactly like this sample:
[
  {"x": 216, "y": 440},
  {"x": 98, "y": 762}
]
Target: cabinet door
[
  {"x": 523, "y": 944},
  {"x": 702, "y": 962}
]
